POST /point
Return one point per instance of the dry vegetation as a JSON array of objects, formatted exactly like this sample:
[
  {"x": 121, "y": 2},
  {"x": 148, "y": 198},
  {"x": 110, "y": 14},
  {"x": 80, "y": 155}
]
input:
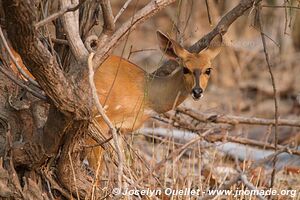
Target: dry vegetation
[
  {"x": 240, "y": 86},
  {"x": 223, "y": 141}
]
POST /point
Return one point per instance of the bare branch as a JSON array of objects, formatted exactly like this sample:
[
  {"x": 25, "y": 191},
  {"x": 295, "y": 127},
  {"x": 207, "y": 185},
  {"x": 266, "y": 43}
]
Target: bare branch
[
  {"x": 70, "y": 22},
  {"x": 276, "y": 6},
  {"x": 106, "y": 120},
  {"x": 56, "y": 15},
  {"x": 146, "y": 12},
  {"x": 108, "y": 20},
  {"x": 223, "y": 24},
  {"x": 108, "y": 17},
  {"x": 274, "y": 93},
  {"x": 234, "y": 120},
  {"x": 208, "y": 12},
  {"x": 126, "y": 4}
]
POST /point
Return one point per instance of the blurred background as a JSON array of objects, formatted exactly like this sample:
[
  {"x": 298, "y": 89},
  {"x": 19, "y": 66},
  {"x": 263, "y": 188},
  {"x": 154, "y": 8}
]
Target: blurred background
[{"x": 240, "y": 85}]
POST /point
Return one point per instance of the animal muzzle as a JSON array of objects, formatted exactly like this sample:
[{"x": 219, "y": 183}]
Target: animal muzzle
[{"x": 197, "y": 93}]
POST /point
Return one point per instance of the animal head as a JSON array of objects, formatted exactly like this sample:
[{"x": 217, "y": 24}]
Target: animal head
[{"x": 196, "y": 66}]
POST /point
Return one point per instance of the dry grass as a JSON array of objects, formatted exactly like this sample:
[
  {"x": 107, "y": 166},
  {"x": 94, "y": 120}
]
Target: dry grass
[{"x": 240, "y": 85}]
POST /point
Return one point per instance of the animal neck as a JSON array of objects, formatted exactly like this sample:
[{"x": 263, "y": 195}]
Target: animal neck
[{"x": 165, "y": 92}]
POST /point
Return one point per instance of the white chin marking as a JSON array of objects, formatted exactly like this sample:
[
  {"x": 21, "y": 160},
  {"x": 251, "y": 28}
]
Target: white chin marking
[{"x": 197, "y": 99}]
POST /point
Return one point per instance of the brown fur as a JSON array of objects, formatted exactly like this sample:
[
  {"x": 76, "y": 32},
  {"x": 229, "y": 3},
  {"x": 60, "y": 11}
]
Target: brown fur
[{"x": 130, "y": 96}]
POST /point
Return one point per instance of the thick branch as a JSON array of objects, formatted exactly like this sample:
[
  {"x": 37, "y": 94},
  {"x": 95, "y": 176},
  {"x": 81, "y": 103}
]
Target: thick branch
[
  {"x": 223, "y": 24},
  {"x": 108, "y": 22},
  {"x": 108, "y": 17},
  {"x": 70, "y": 22},
  {"x": 20, "y": 16}
]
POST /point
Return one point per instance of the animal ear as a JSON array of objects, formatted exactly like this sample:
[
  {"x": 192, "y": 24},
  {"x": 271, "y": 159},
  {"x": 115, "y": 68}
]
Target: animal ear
[
  {"x": 170, "y": 47},
  {"x": 214, "y": 47}
]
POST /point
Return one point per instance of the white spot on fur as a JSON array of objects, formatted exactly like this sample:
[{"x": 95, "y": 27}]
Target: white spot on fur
[
  {"x": 118, "y": 107},
  {"x": 105, "y": 107}
]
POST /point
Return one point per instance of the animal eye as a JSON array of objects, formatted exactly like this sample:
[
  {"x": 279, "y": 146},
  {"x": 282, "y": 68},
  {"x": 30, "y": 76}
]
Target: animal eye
[
  {"x": 186, "y": 70},
  {"x": 208, "y": 71}
]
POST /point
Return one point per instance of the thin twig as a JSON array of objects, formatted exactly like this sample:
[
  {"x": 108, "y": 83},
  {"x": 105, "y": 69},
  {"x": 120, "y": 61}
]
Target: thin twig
[
  {"x": 274, "y": 91},
  {"x": 58, "y": 14},
  {"x": 126, "y": 4},
  {"x": 33, "y": 82},
  {"x": 234, "y": 120},
  {"x": 277, "y": 6},
  {"x": 208, "y": 12},
  {"x": 106, "y": 120},
  {"x": 74, "y": 175}
]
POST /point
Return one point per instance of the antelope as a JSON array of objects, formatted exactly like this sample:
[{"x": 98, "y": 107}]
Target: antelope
[{"x": 130, "y": 95}]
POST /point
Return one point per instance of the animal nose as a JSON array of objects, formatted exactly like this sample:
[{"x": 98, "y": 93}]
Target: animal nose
[{"x": 197, "y": 93}]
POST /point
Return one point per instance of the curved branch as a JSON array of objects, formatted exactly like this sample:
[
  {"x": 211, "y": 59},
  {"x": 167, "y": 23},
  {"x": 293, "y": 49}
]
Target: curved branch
[
  {"x": 223, "y": 24},
  {"x": 70, "y": 23}
]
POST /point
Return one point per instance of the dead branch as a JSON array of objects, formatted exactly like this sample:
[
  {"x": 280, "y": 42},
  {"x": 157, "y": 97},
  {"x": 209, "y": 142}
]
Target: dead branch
[
  {"x": 56, "y": 15},
  {"x": 107, "y": 121},
  {"x": 235, "y": 120},
  {"x": 223, "y": 24},
  {"x": 208, "y": 12},
  {"x": 145, "y": 13},
  {"x": 126, "y": 4},
  {"x": 74, "y": 175},
  {"x": 108, "y": 17},
  {"x": 212, "y": 138},
  {"x": 108, "y": 23},
  {"x": 245, "y": 141},
  {"x": 277, "y": 6},
  {"x": 70, "y": 22},
  {"x": 276, "y": 114}
]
